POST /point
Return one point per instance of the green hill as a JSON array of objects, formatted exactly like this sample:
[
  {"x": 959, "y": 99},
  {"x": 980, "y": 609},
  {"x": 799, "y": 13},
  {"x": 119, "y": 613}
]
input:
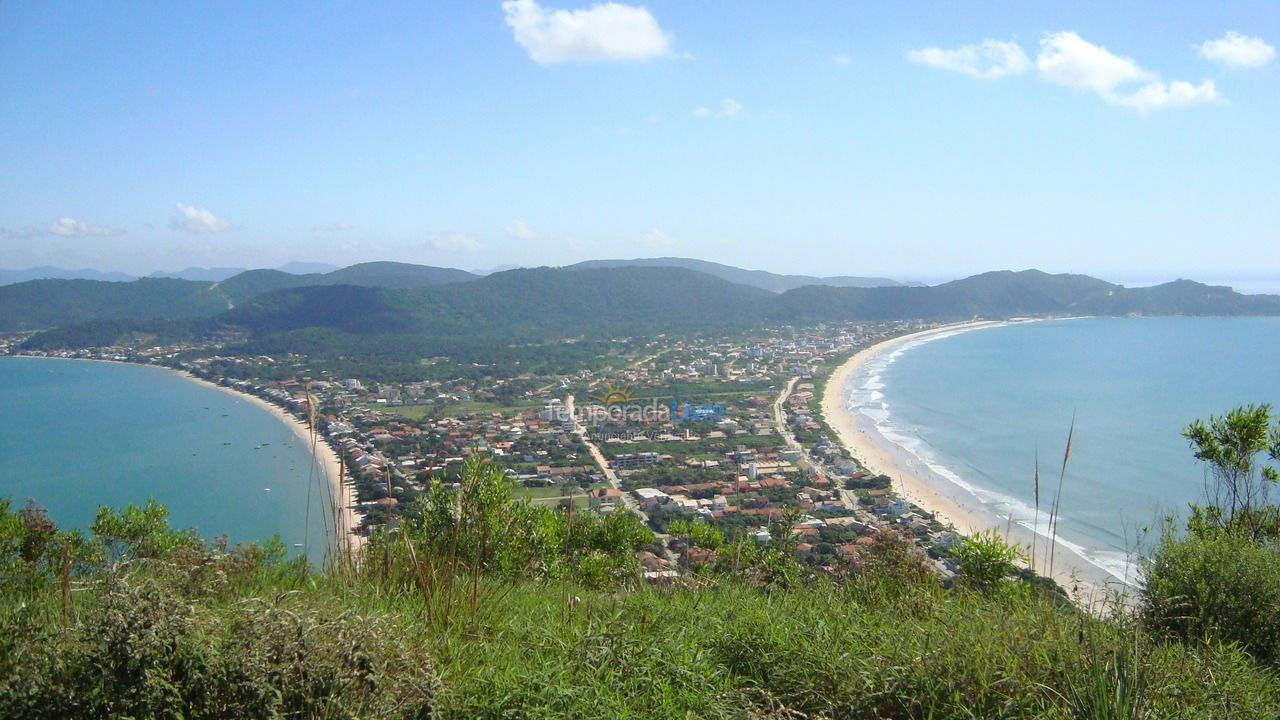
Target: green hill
[
  {"x": 762, "y": 279},
  {"x": 395, "y": 275},
  {"x": 526, "y": 304},
  {"x": 481, "y": 320},
  {"x": 1010, "y": 294},
  {"x": 550, "y": 303},
  {"x": 40, "y": 304}
]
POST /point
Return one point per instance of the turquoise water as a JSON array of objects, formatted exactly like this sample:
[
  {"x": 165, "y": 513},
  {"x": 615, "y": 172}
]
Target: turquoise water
[
  {"x": 76, "y": 434},
  {"x": 975, "y": 406}
]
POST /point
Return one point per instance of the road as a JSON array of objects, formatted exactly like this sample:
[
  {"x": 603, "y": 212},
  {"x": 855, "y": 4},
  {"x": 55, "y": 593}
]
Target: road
[
  {"x": 628, "y": 501},
  {"x": 847, "y": 497}
]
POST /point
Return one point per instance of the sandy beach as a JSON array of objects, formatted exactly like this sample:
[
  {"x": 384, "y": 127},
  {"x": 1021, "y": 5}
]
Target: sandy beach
[
  {"x": 950, "y": 503},
  {"x": 325, "y": 458}
]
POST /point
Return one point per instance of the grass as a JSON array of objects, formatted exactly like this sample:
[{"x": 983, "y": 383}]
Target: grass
[
  {"x": 734, "y": 650},
  {"x": 554, "y": 491}
]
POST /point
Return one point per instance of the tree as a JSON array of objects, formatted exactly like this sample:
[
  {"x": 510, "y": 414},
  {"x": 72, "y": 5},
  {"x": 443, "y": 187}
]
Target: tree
[
  {"x": 1237, "y": 486},
  {"x": 1221, "y": 579},
  {"x": 698, "y": 533}
]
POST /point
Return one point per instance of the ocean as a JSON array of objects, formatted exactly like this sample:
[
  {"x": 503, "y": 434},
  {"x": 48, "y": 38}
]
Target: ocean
[
  {"x": 75, "y": 435},
  {"x": 978, "y": 406}
]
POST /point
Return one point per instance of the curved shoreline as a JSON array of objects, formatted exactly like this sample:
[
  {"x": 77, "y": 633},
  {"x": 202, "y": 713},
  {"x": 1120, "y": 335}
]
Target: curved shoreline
[
  {"x": 325, "y": 458},
  {"x": 948, "y": 501}
]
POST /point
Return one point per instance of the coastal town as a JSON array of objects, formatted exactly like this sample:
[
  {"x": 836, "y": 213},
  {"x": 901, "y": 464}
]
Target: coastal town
[{"x": 726, "y": 432}]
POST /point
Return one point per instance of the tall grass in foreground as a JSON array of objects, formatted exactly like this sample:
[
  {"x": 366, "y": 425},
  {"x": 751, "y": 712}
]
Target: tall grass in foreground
[
  {"x": 486, "y": 607},
  {"x": 1057, "y": 499}
]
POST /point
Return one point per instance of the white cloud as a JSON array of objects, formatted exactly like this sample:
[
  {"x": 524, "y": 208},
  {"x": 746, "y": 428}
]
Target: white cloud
[
  {"x": 988, "y": 59},
  {"x": 1159, "y": 96},
  {"x": 519, "y": 231},
  {"x": 1238, "y": 51},
  {"x": 68, "y": 227},
  {"x": 606, "y": 31},
  {"x": 1071, "y": 61},
  {"x": 841, "y": 59},
  {"x": 455, "y": 242},
  {"x": 1068, "y": 60},
  {"x": 197, "y": 220},
  {"x": 658, "y": 240},
  {"x": 332, "y": 227},
  {"x": 728, "y": 108}
]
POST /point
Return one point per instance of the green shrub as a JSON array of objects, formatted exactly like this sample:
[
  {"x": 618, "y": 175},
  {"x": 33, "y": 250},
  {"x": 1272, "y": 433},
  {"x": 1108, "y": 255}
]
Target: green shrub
[
  {"x": 986, "y": 558},
  {"x": 145, "y": 651},
  {"x": 1215, "y": 584}
]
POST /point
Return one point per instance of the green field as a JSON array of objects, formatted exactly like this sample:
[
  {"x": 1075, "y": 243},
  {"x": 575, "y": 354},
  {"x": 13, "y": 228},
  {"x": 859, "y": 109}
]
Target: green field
[
  {"x": 554, "y": 491},
  {"x": 431, "y": 412}
]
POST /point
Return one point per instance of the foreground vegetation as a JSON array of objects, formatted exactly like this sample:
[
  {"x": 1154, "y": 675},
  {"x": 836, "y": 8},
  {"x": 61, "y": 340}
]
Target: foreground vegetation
[{"x": 483, "y": 606}]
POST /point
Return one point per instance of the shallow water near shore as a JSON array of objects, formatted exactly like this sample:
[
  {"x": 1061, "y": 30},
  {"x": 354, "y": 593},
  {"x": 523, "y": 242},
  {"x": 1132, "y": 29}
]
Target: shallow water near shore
[
  {"x": 75, "y": 435},
  {"x": 975, "y": 407}
]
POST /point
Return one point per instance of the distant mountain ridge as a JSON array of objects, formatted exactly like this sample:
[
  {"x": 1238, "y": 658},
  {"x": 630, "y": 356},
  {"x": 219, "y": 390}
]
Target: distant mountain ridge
[
  {"x": 763, "y": 279},
  {"x": 492, "y": 316},
  {"x": 199, "y": 273},
  {"x": 37, "y": 304},
  {"x": 48, "y": 272},
  {"x": 540, "y": 304}
]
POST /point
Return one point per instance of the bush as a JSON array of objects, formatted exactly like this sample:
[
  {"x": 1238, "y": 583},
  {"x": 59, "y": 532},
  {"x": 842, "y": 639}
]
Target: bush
[
  {"x": 1215, "y": 585},
  {"x": 986, "y": 558},
  {"x": 145, "y": 651}
]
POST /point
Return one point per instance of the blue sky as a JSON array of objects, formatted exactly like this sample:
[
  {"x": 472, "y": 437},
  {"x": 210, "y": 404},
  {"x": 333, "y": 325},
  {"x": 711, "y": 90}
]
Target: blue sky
[{"x": 915, "y": 140}]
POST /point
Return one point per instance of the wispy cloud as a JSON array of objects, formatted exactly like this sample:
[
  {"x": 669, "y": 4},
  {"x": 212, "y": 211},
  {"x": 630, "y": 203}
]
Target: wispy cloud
[
  {"x": 332, "y": 227},
  {"x": 69, "y": 227},
  {"x": 606, "y": 31},
  {"x": 655, "y": 240},
  {"x": 1238, "y": 51},
  {"x": 197, "y": 220},
  {"x": 454, "y": 242},
  {"x": 519, "y": 231},
  {"x": 728, "y": 108},
  {"x": 988, "y": 59},
  {"x": 1068, "y": 60},
  {"x": 841, "y": 59}
]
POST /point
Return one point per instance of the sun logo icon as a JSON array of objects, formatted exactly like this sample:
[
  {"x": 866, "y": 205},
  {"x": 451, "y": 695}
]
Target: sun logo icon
[{"x": 613, "y": 395}]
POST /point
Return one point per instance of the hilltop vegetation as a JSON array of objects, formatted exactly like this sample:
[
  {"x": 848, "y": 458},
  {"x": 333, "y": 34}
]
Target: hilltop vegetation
[
  {"x": 590, "y": 297},
  {"x": 481, "y": 606},
  {"x": 539, "y": 317},
  {"x": 38, "y": 304}
]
